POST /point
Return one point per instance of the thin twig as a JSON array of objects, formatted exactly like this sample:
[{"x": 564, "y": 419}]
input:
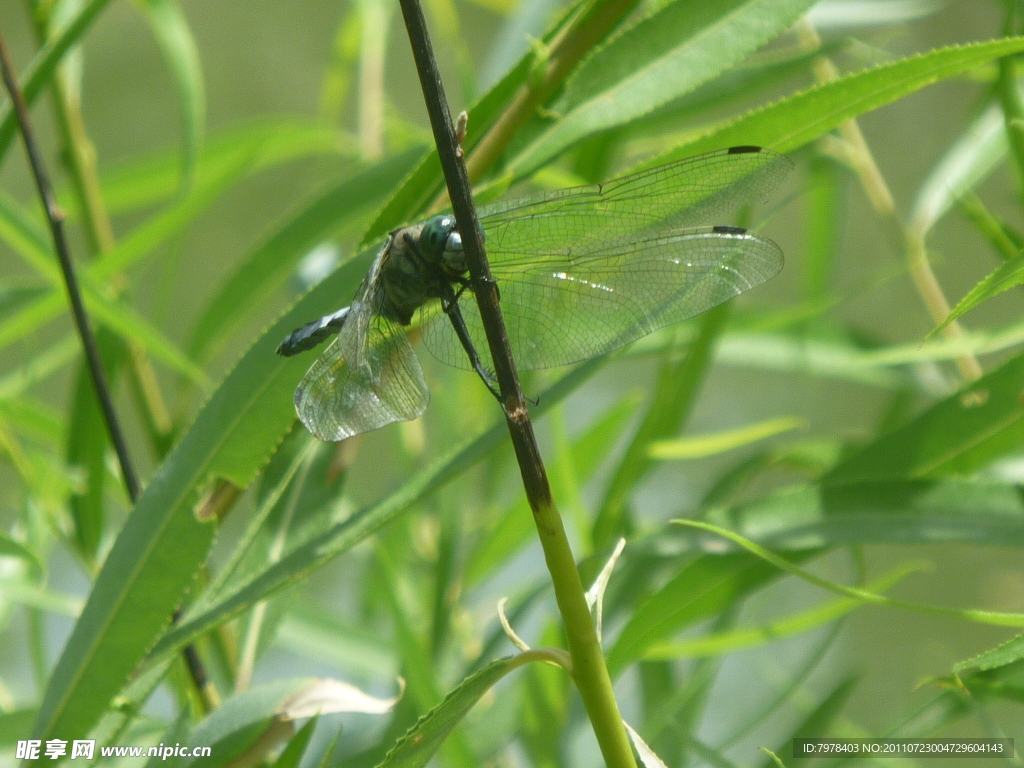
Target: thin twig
[
  {"x": 589, "y": 671},
  {"x": 55, "y": 218}
]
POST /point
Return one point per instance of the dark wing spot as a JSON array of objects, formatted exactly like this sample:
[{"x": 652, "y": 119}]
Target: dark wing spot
[
  {"x": 298, "y": 396},
  {"x": 744, "y": 149},
  {"x": 725, "y": 229}
]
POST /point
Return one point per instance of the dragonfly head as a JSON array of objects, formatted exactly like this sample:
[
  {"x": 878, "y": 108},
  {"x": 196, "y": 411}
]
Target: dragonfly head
[{"x": 441, "y": 244}]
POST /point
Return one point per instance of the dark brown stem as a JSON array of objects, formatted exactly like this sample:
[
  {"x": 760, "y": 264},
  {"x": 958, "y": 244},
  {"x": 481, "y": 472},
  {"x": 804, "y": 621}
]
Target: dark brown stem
[{"x": 589, "y": 671}]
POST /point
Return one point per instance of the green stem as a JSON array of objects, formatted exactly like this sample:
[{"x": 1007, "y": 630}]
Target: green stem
[{"x": 588, "y": 666}]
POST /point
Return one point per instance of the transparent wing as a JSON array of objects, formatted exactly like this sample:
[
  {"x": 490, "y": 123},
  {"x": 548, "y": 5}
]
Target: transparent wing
[
  {"x": 687, "y": 193},
  {"x": 586, "y": 270},
  {"x": 562, "y": 310},
  {"x": 367, "y": 378}
]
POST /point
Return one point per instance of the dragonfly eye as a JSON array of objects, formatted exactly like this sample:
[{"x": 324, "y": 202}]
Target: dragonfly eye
[
  {"x": 436, "y": 237},
  {"x": 454, "y": 242}
]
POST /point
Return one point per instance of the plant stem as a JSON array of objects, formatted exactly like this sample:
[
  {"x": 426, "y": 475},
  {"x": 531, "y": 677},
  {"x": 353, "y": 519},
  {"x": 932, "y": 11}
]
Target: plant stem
[{"x": 589, "y": 670}]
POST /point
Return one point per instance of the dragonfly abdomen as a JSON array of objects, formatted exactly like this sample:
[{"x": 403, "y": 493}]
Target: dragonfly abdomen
[{"x": 312, "y": 334}]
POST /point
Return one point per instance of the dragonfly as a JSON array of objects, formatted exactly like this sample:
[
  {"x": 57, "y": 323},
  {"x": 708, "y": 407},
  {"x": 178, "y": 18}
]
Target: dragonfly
[{"x": 581, "y": 272}]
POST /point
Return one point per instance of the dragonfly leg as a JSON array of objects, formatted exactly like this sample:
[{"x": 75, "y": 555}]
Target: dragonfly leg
[{"x": 450, "y": 305}]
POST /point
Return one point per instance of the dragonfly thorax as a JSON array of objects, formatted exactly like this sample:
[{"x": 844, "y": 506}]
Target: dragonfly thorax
[{"x": 421, "y": 263}]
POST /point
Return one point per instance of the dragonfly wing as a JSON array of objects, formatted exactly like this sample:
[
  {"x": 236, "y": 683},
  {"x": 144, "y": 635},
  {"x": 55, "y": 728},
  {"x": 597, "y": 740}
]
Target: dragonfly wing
[
  {"x": 686, "y": 193},
  {"x": 563, "y": 310},
  {"x": 367, "y": 378}
]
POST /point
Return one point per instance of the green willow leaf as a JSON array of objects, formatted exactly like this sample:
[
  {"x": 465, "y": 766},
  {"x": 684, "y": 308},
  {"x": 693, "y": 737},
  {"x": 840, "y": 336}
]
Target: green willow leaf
[
  {"x": 170, "y": 27},
  {"x": 678, "y": 387},
  {"x": 996, "y": 618},
  {"x": 424, "y": 183},
  {"x": 700, "y": 446},
  {"x": 912, "y": 512},
  {"x": 660, "y": 58},
  {"x": 956, "y": 436},
  {"x": 291, "y": 756},
  {"x": 515, "y": 528},
  {"x": 266, "y": 268},
  {"x": 155, "y": 558},
  {"x": 794, "y": 121},
  {"x": 1007, "y": 275},
  {"x": 1007, "y": 653},
  {"x": 12, "y": 548},
  {"x": 816, "y": 723},
  {"x": 34, "y": 419},
  {"x": 703, "y": 588},
  {"x": 416, "y": 747},
  {"x": 145, "y": 181},
  {"x": 732, "y": 640},
  {"x": 31, "y": 243},
  {"x": 139, "y": 243},
  {"x": 156, "y": 230},
  {"x": 311, "y": 555},
  {"x": 423, "y": 688},
  {"x": 38, "y": 73},
  {"x": 313, "y": 633},
  {"x": 966, "y": 164},
  {"x": 113, "y": 314},
  {"x": 236, "y": 725},
  {"x": 14, "y": 725}
]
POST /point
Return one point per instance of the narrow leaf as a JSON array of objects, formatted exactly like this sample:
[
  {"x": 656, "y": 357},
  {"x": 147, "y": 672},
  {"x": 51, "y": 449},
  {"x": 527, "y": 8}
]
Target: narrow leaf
[
  {"x": 971, "y": 158},
  {"x": 911, "y": 512},
  {"x": 151, "y": 179},
  {"x": 310, "y": 555},
  {"x": 794, "y": 121},
  {"x": 266, "y": 268},
  {"x": 661, "y": 58},
  {"x": 956, "y": 436},
  {"x": 38, "y": 73},
  {"x": 155, "y": 557},
  {"x": 170, "y": 27},
  {"x": 734, "y": 640},
  {"x": 292, "y": 754},
  {"x": 699, "y": 446},
  {"x": 647, "y": 756},
  {"x": 1004, "y": 277},
  {"x": 424, "y": 739},
  {"x": 1007, "y": 653},
  {"x": 700, "y": 590}
]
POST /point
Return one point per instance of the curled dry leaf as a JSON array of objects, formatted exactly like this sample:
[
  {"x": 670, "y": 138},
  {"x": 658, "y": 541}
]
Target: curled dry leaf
[{"x": 323, "y": 697}]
